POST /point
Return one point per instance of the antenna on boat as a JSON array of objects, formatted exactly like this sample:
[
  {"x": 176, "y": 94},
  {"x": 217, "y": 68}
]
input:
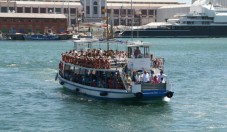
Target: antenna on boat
[
  {"x": 132, "y": 22},
  {"x": 107, "y": 29}
]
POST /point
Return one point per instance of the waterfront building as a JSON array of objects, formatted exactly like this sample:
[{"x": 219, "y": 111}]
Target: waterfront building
[
  {"x": 70, "y": 9},
  {"x": 119, "y": 12},
  {"x": 32, "y": 23},
  {"x": 144, "y": 11}
]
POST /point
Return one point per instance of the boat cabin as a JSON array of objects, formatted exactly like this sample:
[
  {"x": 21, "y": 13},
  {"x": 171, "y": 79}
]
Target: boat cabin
[{"x": 138, "y": 51}]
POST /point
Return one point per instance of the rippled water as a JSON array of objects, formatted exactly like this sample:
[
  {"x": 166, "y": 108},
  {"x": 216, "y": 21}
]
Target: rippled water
[{"x": 30, "y": 99}]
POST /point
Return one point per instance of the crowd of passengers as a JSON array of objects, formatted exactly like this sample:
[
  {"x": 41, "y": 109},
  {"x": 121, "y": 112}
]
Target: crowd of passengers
[
  {"x": 113, "y": 80},
  {"x": 145, "y": 77},
  {"x": 99, "y": 79},
  {"x": 93, "y": 58}
]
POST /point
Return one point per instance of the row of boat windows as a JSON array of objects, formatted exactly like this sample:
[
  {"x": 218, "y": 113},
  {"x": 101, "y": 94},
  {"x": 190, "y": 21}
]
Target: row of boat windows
[
  {"x": 194, "y": 27},
  {"x": 192, "y": 22},
  {"x": 101, "y": 79},
  {"x": 200, "y": 17}
]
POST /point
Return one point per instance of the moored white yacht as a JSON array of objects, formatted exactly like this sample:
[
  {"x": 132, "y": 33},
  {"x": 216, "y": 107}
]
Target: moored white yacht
[{"x": 204, "y": 20}]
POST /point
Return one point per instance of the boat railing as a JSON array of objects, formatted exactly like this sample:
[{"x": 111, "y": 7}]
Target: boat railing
[
  {"x": 122, "y": 74},
  {"x": 114, "y": 63}
]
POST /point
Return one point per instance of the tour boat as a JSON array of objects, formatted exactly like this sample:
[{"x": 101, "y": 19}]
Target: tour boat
[{"x": 132, "y": 74}]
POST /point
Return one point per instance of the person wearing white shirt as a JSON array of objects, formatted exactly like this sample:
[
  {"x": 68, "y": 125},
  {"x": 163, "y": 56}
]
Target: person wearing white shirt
[
  {"x": 146, "y": 77},
  {"x": 161, "y": 77}
]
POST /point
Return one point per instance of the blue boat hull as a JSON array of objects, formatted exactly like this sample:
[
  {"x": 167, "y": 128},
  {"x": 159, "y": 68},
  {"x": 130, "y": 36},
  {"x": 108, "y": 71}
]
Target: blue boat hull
[
  {"x": 177, "y": 31},
  {"x": 112, "y": 94}
]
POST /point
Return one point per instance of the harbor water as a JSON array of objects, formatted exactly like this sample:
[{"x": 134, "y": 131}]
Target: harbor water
[{"x": 31, "y": 100}]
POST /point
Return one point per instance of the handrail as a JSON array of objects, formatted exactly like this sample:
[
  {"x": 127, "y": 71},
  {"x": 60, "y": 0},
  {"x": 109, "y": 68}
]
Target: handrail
[{"x": 121, "y": 75}]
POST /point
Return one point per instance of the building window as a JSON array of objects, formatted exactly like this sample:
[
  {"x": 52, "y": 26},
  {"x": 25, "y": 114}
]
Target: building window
[
  {"x": 87, "y": 9},
  {"x": 123, "y": 12},
  {"x": 12, "y": 9},
  {"x": 57, "y": 10},
  {"x": 130, "y": 12},
  {"x": 50, "y": 10},
  {"x": 73, "y": 21},
  {"x": 4, "y": 9},
  {"x": 95, "y": 8},
  {"x": 103, "y": 11},
  {"x": 144, "y": 12},
  {"x": 72, "y": 10},
  {"x": 150, "y": 12},
  {"x": 42, "y": 10},
  {"x": 66, "y": 10},
  {"x": 129, "y": 22},
  {"x": 109, "y": 11},
  {"x": 35, "y": 10},
  {"x": 116, "y": 12},
  {"x": 123, "y": 22},
  {"x": 116, "y": 21},
  {"x": 27, "y": 9},
  {"x": 19, "y": 9}
]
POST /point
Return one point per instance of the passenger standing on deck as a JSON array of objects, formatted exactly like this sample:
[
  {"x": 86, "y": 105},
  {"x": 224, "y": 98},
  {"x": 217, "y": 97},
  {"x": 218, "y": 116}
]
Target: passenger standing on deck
[
  {"x": 137, "y": 77},
  {"x": 155, "y": 80},
  {"x": 137, "y": 52},
  {"x": 128, "y": 81},
  {"x": 152, "y": 75},
  {"x": 161, "y": 77},
  {"x": 146, "y": 77},
  {"x": 134, "y": 76}
]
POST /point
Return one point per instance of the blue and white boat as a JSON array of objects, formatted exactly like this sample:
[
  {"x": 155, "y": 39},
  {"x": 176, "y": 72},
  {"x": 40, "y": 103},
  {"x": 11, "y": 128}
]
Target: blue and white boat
[
  {"x": 41, "y": 37},
  {"x": 113, "y": 74}
]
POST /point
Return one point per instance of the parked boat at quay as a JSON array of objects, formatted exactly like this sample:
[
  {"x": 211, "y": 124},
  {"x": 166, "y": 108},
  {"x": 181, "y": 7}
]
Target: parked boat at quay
[
  {"x": 204, "y": 20},
  {"x": 19, "y": 36},
  {"x": 132, "y": 74}
]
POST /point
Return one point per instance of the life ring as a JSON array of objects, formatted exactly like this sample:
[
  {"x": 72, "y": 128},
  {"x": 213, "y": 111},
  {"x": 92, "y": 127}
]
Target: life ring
[
  {"x": 77, "y": 89},
  {"x": 169, "y": 94},
  {"x": 139, "y": 95},
  {"x": 61, "y": 83},
  {"x": 103, "y": 93}
]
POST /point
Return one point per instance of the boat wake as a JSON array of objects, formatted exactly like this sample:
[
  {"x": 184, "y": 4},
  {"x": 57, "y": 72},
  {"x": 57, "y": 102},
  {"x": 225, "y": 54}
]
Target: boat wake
[
  {"x": 166, "y": 99},
  {"x": 12, "y": 65}
]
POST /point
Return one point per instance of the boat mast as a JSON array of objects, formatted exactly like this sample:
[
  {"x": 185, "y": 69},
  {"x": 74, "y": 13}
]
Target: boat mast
[
  {"x": 132, "y": 21},
  {"x": 107, "y": 26}
]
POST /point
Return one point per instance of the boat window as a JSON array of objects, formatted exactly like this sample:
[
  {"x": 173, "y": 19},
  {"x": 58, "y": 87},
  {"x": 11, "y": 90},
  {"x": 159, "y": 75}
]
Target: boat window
[
  {"x": 129, "y": 52},
  {"x": 146, "y": 52}
]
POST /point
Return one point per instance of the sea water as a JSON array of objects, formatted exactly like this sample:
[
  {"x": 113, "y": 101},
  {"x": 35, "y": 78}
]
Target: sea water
[{"x": 31, "y": 100}]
